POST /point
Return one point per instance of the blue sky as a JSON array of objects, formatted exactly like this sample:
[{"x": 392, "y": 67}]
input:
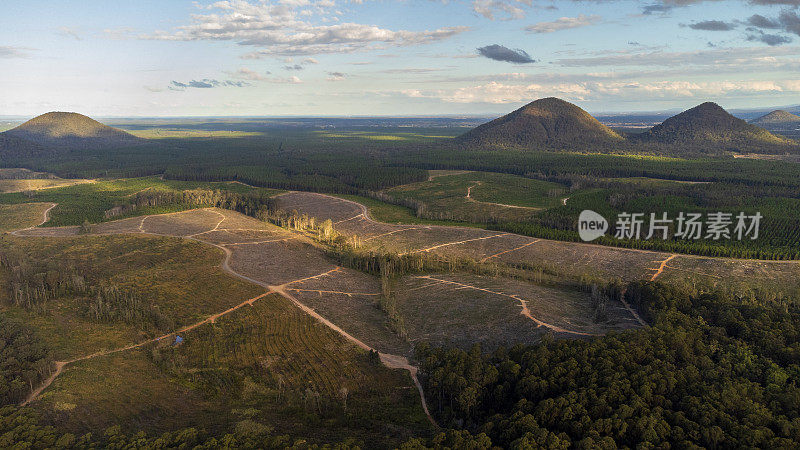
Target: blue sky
[{"x": 413, "y": 57}]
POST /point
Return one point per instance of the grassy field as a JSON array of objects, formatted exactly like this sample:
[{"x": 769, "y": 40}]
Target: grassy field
[
  {"x": 388, "y": 213},
  {"x": 481, "y": 196},
  {"x": 408, "y": 137},
  {"x": 90, "y": 201},
  {"x": 7, "y": 186},
  {"x": 177, "y": 133},
  {"x": 23, "y": 215}
]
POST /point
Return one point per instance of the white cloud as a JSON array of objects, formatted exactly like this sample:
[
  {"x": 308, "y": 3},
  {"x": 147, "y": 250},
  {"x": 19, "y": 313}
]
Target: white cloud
[
  {"x": 563, "y": 23},
  {"x": 289, "y": 80},
  {"x": 336, "y": 76},
  {"x": 70, "y": 32},
  {"x": 278, "y": 30},
  {"x": 118, "y": 34},
  {"x": 741, "y": 57},
  {"x": 501, "y": 93},
  {"x": 14, "y": 52},
  {"x": 247, "y": 74},
  {"x": 489, "y": 8}
]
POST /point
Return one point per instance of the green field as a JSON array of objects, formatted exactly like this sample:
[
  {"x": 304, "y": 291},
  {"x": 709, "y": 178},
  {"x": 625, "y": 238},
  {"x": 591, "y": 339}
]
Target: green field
[
  {"x": 89, "y": 202},
  {"x": 23, "y": 215},
  {"x": 389, "y": 213},
  {"x": 486, "y": 187},
  {"x": 22, "y": 185},
  {"x": 493, "y": 197}
]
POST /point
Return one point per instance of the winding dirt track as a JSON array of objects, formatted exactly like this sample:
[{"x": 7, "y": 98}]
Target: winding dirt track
[
  {"x": 661, "y": 267},
  {"x": 525, "y": 311},
  {"x": 389, "y": 360},
  {"x": 471, "y": 199}
]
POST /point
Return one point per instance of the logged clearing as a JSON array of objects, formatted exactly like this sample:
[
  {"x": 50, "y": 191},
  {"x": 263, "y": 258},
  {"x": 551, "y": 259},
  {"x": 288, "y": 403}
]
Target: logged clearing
[
  {"x": 462, "y": 309},
  {"x": 350, "y": 303},
  {"x": 265, "y": 354},
  {"x": 309, "y": 337},
  {"x": 8, "y": 186},
  {"x": 568, "y": 258},
  {"x": 181, "y": 279}
]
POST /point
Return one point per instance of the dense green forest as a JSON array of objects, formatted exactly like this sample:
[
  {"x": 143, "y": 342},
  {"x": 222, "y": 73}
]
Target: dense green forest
[
  {"x": 711, "y": 371},
  {"x": 24, "y": 362},
  {"x": 779, "y": 230},
  {"x": 354, "y": 164}
]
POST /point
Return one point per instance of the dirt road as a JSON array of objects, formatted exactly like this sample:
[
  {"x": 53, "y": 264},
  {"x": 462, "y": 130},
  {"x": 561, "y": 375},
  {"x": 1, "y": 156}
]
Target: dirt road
[
  {"x": 389, "y": 360},
  {"x": 471, "y": 199}
]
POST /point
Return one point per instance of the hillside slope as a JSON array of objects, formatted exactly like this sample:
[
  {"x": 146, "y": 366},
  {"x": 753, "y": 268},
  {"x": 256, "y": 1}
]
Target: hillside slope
[
  {"x": 11, "y": 146},
  {"x": 71, "y": 131},
  {"x": 777, "y": 117},
  {"x": 548, "y": 122},
  {"x": 711, "y": 127}
]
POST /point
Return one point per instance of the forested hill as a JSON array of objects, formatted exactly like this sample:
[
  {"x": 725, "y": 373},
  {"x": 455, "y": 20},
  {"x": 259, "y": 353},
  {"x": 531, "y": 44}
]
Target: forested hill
[
  {"x": 708, "y": 125},
  {"x": 777, "y": 117},
  {"x": 68, "y": 130},
  {"x": 555, "y": 124},
  {"x": 545, "y": 122}
]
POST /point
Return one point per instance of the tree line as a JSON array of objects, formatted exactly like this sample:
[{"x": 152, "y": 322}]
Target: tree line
[
  {"x": 32, "y": 284},
  {"x": 712, "y": 370},
  {"x": 24, "y": 361}
]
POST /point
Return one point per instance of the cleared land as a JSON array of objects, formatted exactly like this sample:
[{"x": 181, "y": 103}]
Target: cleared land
[
  {"x": 462, "y": 309},
  {"x": 7, "y": 186},
  {"x": 569, "y": 258},
  {"x": 261, "y": 354},
  {"x": 454, "y": 308},
  {"x": 345, "y": 300}
]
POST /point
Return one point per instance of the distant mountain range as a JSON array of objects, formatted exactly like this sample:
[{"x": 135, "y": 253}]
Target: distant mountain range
[
  {"x": 555, "y": 123},
  {"x": 68, "y": 130},
  {"x": 548, "y": 123}
]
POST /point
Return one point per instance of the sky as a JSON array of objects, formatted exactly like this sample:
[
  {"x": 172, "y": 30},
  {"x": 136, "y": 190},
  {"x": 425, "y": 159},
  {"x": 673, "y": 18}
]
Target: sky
[{"x": 397, "y": 58}]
